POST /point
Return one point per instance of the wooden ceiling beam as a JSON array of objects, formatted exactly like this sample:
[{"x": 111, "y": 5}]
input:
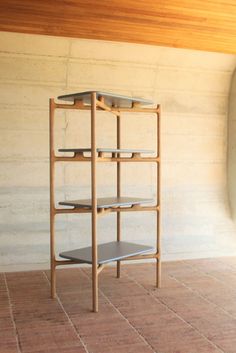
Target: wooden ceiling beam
[{"x": 195, "y": 24}]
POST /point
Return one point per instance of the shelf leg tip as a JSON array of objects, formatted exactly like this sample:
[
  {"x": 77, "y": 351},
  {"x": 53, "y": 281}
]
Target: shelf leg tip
[
  {"x": 158, "y": 274},
  {"x": 53, "y": 295},
  {"x": 95, "y": 310},
  {"x": 118, "y": 268}
]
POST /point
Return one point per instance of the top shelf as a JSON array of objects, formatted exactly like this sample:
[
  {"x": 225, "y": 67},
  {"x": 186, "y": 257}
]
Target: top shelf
[
  {"x": 111, "y": 100},
  {"x": 107, "y": 202}
]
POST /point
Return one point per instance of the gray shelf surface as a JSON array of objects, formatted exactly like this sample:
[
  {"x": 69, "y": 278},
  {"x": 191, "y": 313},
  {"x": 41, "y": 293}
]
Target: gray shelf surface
[
  {"x": 110, "y": 99},
  {"x": 107, "y": 252},
  {"x": 106, "y": 150},
  {"x": 106, "y": 202}
]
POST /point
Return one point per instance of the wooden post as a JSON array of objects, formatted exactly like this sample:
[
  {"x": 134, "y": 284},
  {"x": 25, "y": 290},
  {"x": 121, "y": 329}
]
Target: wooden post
[
  {"x": 94, "y": 202},
  {"x": 52, "y": 198},
  {"x": 118, "y": 190},
  {"x": 158, "y": 260}
]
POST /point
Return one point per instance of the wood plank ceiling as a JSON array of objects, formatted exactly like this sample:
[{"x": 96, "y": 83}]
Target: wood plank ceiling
[{"x": 195, "y": 24}]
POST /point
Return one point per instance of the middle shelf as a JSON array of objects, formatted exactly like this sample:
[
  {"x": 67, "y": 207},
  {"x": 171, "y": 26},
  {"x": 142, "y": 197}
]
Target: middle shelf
[
  {"x": 106, "y": 155},
  {"x": 107, "y": 202}
]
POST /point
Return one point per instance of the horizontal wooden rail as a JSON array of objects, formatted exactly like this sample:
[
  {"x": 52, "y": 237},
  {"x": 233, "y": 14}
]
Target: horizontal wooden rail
[
  {"x": 105, "y": 107},
  {"x": 116, "y": 111},
  {"x": 107, "y": 159},
  {"x": 72, "y": 210},
  {"x": 135, "y": 208},
  {"x": 67, "y": 262},
  {"x": 140, "y": 257},
  {"x": 100, "y": 268}
]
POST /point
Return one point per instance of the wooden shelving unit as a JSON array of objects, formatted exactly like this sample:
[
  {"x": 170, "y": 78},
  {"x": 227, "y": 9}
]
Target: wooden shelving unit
[{"x": 98, "y": 255}]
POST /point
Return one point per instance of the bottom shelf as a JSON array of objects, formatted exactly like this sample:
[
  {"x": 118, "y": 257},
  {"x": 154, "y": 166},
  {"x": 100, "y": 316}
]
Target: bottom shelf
[{"x": 107, "y": 252}]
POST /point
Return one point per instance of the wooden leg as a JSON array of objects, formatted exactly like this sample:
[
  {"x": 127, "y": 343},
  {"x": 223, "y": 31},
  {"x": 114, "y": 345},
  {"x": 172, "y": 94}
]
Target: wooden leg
[
  {"x": 94, "y": 204},
  {"x": 158, "y": 273},
  {"x": 52, "y": 199},
  {"x": 52, "y": 255},
  {"x": 158, "y": 165},
  {"x": 95, "y": 290},
  {"x": 53, "y": 280},
  {"x": 118, "y": 263},
  {"x": 53, "y": 265},
  {"x": 118, "y": 269},
  {"x": 118, "y": 189}
]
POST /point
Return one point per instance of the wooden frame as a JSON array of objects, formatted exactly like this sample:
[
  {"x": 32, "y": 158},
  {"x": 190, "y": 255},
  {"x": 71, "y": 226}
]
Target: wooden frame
[{"x": 95, "y": 212}]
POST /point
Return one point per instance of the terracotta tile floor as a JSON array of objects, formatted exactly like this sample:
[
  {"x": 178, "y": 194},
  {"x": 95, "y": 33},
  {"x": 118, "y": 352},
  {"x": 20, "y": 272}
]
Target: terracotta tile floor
[{"x": 193, "y": 312}]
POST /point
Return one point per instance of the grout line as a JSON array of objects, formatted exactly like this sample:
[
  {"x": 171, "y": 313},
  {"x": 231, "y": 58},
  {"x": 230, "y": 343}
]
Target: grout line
[
  {"x": 68, "y": 60},
  {"x": 69, "y": 319},
  {"x": 29, "y": 82},
  {"x": 33, "y": 56},
  {"x": 230, "y": 266},
  {"x": 201, "y": 295},
  {"x": 12, "y": 316},
  {"x": 118, "y": 311},
  {"x": 114, "y": 62},
  {"x": 195, "y": 268},
  {"x": 174, "y": 312}
]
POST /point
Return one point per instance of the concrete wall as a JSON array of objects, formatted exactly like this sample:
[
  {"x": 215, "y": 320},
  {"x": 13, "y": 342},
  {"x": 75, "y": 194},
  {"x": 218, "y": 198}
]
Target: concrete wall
[
  {"x": 232, "y": 148},
  {"x": 192, "y": 88}
]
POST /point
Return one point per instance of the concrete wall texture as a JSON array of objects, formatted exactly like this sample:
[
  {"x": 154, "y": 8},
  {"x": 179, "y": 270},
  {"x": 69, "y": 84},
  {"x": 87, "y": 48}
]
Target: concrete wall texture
[
  {"x": 193, "y": 89},
  {"x": 231, "y": 170}
]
